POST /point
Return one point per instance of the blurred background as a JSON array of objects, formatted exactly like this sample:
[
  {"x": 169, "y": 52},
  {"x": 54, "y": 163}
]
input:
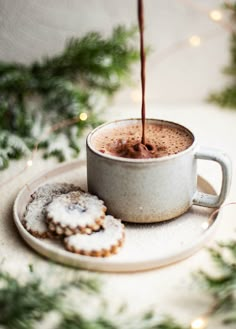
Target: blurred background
[
  {"x": 189, "y": 41},
  {"x": 177, "y": 71}
]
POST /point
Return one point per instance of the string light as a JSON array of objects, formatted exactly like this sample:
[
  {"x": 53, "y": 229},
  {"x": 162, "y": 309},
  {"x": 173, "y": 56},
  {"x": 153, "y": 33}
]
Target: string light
[
  {"x": 83, "y": 116},
  {"x": 195, "y": 41},
  {"x": 29, "y": 163},
  {"x": 174, "y": 48},
  {"x": 196, "y": 6},
  {"x": 215, "y": 15},
  {"x": 199, "y": 323},
  {"x": 205, "y": 225}
]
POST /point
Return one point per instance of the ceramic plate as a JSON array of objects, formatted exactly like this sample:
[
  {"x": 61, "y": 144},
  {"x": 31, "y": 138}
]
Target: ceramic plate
[{"x": 146, "y": 246}]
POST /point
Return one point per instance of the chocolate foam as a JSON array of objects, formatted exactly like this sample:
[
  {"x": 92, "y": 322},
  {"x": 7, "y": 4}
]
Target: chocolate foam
[
  {"x": 124, "y": 141},
  {"x": 136, "y": 150}
]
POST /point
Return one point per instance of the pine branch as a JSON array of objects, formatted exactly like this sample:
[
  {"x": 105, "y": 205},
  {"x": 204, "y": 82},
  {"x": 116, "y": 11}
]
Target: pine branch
[
  {"x": 62, "y": 87},
  {"x": 227, "y": 97},
  {"x": 22, "y": 305},
  {"x": 75, "y": 321},
  {"x": 26, "y": 305},
  {"x": 11, "y": 147},
  {"x": 223, "y": 285}
]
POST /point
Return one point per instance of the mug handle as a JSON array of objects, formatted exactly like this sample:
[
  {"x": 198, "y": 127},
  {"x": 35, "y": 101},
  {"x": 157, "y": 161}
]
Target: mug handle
[{"x": 209, "y": 200}]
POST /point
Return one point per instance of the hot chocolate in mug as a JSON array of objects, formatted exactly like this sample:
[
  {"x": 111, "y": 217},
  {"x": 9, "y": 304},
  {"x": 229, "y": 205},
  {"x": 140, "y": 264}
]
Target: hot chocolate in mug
[{"x": 153, "y": 189}]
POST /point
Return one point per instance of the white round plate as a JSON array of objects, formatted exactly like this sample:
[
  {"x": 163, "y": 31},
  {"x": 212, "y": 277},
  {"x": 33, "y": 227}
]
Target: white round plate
[{"x": 146, "y": 246}]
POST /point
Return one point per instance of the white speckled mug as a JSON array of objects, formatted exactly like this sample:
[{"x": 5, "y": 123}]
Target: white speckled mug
[{"x": 152, "y": 190}]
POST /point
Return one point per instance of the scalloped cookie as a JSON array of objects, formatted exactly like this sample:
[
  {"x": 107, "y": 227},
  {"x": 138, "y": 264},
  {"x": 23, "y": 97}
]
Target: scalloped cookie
[
  {"x": 107, "y": 241},
  {"x": 75, "y": 212},
  {"x": 34, "y": 219}
]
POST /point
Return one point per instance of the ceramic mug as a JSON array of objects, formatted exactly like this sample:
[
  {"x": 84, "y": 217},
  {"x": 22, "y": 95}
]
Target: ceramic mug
[{"x": 156, "y": 189}]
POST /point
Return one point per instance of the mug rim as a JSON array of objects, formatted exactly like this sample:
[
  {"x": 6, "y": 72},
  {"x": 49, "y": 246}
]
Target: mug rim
[{"x": 141, "y": 161}]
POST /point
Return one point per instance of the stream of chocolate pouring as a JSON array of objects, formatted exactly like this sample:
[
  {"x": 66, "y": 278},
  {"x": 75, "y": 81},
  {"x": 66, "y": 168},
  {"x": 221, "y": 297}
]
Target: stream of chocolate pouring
[
  {"x": 138, "y": 149},
  {"x": 142, "y": 59}
]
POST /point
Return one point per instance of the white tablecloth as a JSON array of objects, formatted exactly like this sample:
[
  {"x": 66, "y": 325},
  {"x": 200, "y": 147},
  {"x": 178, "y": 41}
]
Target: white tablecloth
[{"x": 170, "y": 290}]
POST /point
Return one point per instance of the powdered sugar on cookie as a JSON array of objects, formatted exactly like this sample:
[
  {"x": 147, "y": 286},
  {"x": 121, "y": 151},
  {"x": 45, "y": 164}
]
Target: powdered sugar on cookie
[
  {"x": 48, "y": 191},
  {"x": 74, "y": 212},
  {"x": 34, "y": 218},
  {"x": 102, "y": 243}
]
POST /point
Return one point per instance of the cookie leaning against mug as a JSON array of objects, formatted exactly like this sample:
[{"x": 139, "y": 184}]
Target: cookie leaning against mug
[
  {"x": 75, "y": 212},
  {"x": 105, "y": 242}
]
